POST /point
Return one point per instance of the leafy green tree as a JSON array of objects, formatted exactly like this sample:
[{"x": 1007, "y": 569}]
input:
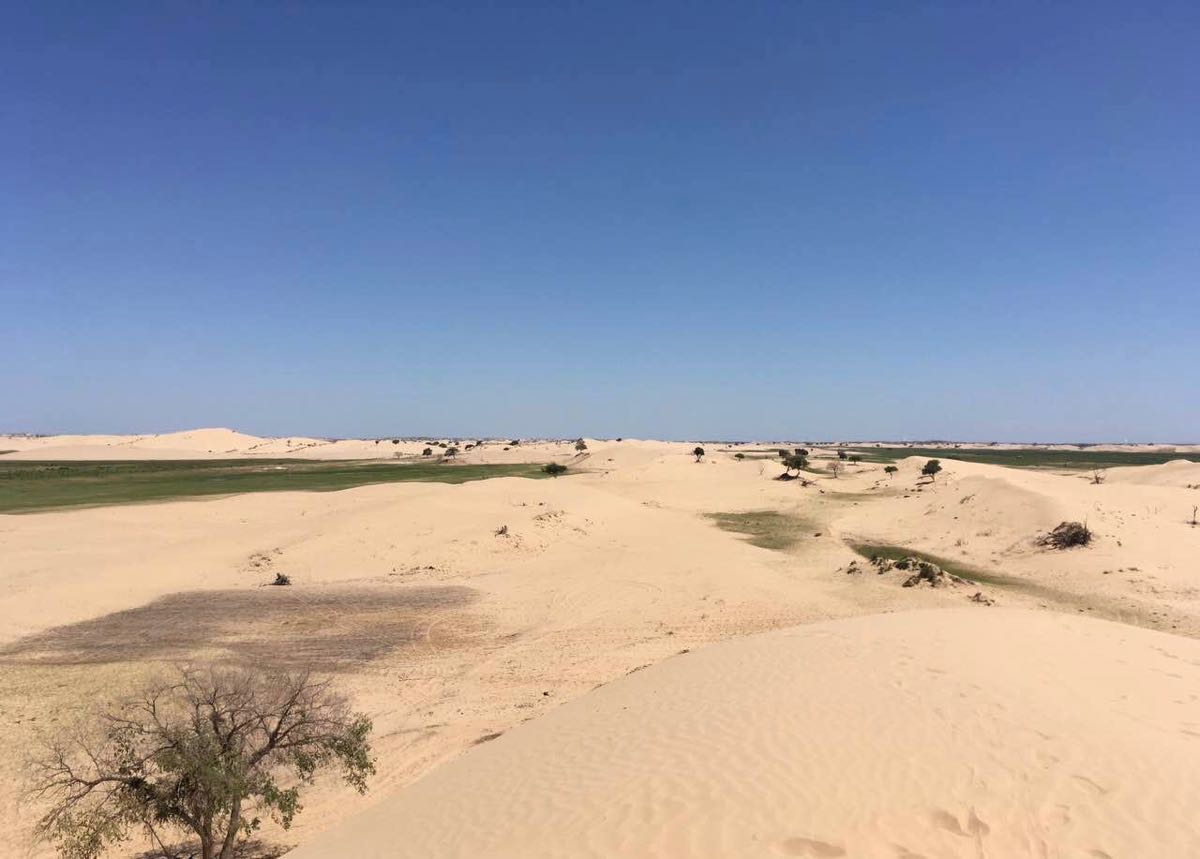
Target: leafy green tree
[
  {"x": 931, "y": 468},
  {"x": 451, "y": 452},
  {"x": 427, "y": 452},
  {"x": 794, "y": 461},
  {"x": 200, "y": 755},
  {"x": 739, "y": 456},
  {"x": 800, "y": 452},
  {"x": 889, "y": 470},
  {"x": 580, "y": 445},
  {"x": 698, "y": 452},
  {"x": 855, "y": 458}
]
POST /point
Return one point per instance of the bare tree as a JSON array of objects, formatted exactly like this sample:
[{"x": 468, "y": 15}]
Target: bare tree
[
  {"x": 1097, "y": 476},
  {"x": 197, "y": 754},
  {"x": 835, "y": 467}
]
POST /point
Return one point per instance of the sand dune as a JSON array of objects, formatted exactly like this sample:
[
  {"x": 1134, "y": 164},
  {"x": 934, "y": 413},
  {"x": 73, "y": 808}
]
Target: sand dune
[
  {"x": 445, "y": 631},
  {"x": 944, "y": 734}
]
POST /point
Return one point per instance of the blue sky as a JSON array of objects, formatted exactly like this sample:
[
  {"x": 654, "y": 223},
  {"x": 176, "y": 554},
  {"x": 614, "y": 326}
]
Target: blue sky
[{"x": 693, "y": 220}]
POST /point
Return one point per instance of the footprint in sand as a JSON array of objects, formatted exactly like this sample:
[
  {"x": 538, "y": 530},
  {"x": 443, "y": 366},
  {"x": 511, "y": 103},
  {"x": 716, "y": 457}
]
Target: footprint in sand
[{"x": 810, "y": 847}]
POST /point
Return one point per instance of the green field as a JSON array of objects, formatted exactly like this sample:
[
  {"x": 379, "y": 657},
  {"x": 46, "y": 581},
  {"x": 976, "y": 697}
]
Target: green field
[
  {"x": 27, "y": 486},
  {"x": 1080, "y": 460}
]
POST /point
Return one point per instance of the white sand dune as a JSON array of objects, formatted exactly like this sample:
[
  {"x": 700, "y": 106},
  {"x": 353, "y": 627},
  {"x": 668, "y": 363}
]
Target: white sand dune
[{"x": 935, "y": 734}]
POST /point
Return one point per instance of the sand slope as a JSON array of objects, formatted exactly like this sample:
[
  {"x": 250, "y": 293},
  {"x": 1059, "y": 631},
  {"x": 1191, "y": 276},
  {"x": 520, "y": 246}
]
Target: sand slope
[{"x": 935, "y": 734}]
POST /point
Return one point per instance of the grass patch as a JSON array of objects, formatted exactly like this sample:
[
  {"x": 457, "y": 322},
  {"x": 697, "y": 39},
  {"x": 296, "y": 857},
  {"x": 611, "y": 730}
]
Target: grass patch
[
  {"x": 767, "y": 529},
  {"x": 28, "y": 486},
  {"x": 1081, "y": 460}
]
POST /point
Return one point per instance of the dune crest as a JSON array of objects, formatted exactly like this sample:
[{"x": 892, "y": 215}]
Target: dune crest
[{"x": 937, "y": 734}]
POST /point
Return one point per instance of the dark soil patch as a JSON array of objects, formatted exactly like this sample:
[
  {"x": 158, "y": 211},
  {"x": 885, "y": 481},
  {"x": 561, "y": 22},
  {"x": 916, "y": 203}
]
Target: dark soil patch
[{"x": 326, "y": 629}]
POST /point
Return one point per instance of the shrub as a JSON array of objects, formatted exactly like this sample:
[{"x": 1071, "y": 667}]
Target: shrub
[
  {"x": 554, "y": 469},
  {"x": 282, "y": 579},
  {"x": 395, "y": 441},
  {"x": 580, "y": 445},
  {"x": 855, "y": 458},
  {"x": 841, "y": 454},
  {"x": 427, "y": 452},
  {"x": 198, "y": 754},
  {"x": 800, "y": 452},
  {"x": 451, "y": 452},
  {"x": 889, "y": 470},
  {"x": 1066, "y": 535},
  {"x": 739, "y": 456}
]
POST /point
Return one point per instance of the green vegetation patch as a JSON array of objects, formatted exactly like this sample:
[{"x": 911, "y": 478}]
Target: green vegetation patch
[
  {"x": 767, "y": 529},
  {"x": 1081, "y": 460},
  {"x": 28, "y": 486},
  {"x": 966, "y": 571}
]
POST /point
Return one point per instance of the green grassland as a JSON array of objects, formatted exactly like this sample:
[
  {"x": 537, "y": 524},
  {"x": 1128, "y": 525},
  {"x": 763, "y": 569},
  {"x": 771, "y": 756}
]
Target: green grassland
[
  {"x": 1075, "y": 460},
  {"x": 27, "y": 486}
]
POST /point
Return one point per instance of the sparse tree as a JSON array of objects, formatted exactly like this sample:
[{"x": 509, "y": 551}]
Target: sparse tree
[
  {"x": 855, "y": 458},
  {"x": 841, "y": 454},
  {"x": 554, "y": 469},
  {"x": 199, "y": 755},
  {"x": 794, "y": 461},
  {"x": 698, "y": 452},
  {"x": 580, "y": 445},
  {"x": 451, "y": 452},
  {"x": 800, "y": 452},
  {"x": 427, "y": 452},
  {"x": 835, "y": 468},
  {"x": 739, "y": 456},
  {"x": 932, "y": 468},
  {"x": 889, "y": 470}
]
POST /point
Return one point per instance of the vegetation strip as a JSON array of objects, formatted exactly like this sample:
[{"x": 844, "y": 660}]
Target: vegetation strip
[
  {"x": 29, "y": 486},
  {"x": 1081, "y": 460}
]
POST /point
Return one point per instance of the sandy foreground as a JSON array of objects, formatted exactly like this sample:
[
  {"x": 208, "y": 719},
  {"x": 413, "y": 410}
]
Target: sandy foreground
[{"x": 1061, "y": 721}]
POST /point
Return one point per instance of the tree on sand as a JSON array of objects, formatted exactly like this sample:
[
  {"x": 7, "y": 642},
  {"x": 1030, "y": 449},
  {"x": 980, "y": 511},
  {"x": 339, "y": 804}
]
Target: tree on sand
[{"x": 200, "y": 754}]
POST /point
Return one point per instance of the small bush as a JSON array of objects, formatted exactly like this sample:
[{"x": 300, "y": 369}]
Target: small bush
[
  {"x": 698, "y": 452},
  {"x": 931, "y": 468},
  {"x": 554, "y": 469},
  {"x": 889, "y": 470},
  {"x": 580, "y": 445},
  {"x": 427, "y": 452},
  {"x": 282, "y": 579},
  {"x": 1066, "y": 536},
  {"x": 739, "y": 456}
]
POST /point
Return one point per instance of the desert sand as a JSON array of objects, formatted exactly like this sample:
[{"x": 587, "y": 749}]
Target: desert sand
[{"x": 787, "y": 706}]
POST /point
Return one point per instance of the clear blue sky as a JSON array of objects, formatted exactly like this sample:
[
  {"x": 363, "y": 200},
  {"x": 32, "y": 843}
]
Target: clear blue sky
[{"x": 807, "y": 220}]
